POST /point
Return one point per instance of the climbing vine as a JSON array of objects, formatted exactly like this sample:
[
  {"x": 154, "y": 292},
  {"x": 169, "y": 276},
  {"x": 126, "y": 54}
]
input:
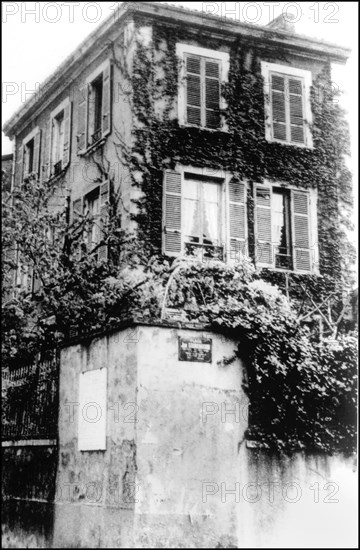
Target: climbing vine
[{"x": 301, "y": 382}]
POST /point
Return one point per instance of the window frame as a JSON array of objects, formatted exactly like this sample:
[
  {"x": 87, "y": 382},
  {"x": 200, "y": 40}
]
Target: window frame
[
  {"x": 225, "y": 178},
  {"x": 54, "y": 115},
  {"x": 267, "y": 70},
  {"x": 30, "y": 137},
  {"x": 182, "y": 51},
  {"x": 313, "y": 227}
]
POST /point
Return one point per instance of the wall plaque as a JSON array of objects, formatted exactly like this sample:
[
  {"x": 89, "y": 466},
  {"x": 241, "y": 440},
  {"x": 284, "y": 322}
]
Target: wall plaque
[{"x": 195, "y": 349}]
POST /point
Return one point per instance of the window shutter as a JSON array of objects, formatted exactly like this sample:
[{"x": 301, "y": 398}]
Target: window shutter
[
  {"x": 104, "y": 216},
  {"x": 301, "y": 228},
  {"x": 212, "y": 94},
  {"x": 237, "y": 219},
  {"x": 67, "y": 135},
  {"x": 46, "y": 152},
  {"x": 37, "y": 282},
  {"x": 29, "y": 278},
  {"x": 296, "y": 111},
  {"x": 77, "y": 211},
  {"x": 264, "y": 253},
  {"x": 82, "y": 119},
  {"x": 19, "y": 170},
  {"x": 37, "y": 151},
  {"x": 106, "y": 101},
  {"x": 172, "y": 213},
  {"x": 193, "y": 90},
  {"x": 278, "y": 107}
]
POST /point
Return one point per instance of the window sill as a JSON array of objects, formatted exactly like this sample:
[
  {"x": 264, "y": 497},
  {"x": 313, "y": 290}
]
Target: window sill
[
  {"x": 91, "y": 148},
  {"x": 288, "y": 144},
  {"x": 204, "y": 128},
  {"x": 279, "y": 270}
]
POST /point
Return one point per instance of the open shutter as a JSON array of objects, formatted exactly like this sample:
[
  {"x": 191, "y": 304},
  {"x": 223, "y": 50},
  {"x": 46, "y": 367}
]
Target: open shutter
[
  {"x": 278, "y": 107},
  {"x": 264, "y": 252},
  {"x": 29, "y": 279},
  {"x": 82, "y": 119},
  {"x": 172, "y": 213},
  {"x": 193, "y": 90},
  {"x": 212, "y": 94},
  {"x": 104, "y": 216},
  {"x": 106, "y": 102},
  {"x": 296, "y": 111},
  {"x": 67, "y": 135},
  {"x": 36, "y": 283},
  {"x": 301, "y": 230},
  {"x": 37, "y": 152},
  {"x": 237, "y": 219},
  {"x": 19, "y": 169},
  {"x": 46, "y": 152},
  {"x": 76, "y": 213}
]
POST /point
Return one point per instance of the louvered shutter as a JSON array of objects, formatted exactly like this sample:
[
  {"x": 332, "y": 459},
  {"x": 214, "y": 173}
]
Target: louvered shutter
[
  {"x": 193, "y": 90},
  {"x": 67, "y": 135},
  {"x": 278, "y": 107},
  {"x": 301, "y": 231},
  {"x": 237, "y": 219},
  {"x": 36, "y": 283},
  {"x": 172, "y": 213},
  {"x": 106, "y": 101},
  {"x": 29, "y": 279},
  {"x": 19, "y": 170},
  {"x": 264, "y": 252},
  {"x": 37, "y": 153},
  {"x": 46, "y": 152},
  {"x": 212, "y": 94},
  {"x": 82, "y": 119},
  {"x": 104, "y": 216},
  {"x": 76, "y": 213},
  {"x": 296, "y": 111}
]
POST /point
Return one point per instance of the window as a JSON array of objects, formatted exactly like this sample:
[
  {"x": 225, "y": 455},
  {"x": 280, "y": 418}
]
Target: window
[
  {"x": 94, "y": 108},
  {"x": 58, "y": 141},
  {"x": 287, "y": 104},
  {"x": 29, "y": 156},
  {"x": 92, "y": 211},
  {"x": 203, "y": 214},
  {"x": 94, "y": 208},
  {"x": 285, "y": 229},
  {"x": 28, "y": 161},
  {"x": 203, "y": 71}
]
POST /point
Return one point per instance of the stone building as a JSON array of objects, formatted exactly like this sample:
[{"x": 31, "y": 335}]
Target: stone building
[{"x": 221, "y": 167}]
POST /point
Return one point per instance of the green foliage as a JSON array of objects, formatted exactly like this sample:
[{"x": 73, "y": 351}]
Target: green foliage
[{"x": 302, "y": 393}]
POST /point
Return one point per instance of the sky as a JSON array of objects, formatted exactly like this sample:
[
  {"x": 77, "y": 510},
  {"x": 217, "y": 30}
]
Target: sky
[{"x": 38, "y": 36}]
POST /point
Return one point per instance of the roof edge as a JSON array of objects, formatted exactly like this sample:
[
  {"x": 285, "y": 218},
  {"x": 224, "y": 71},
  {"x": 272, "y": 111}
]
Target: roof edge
[{"x": 310, "y": 45}]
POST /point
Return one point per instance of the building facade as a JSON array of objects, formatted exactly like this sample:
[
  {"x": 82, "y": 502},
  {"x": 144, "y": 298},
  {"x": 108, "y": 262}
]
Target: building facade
[{"x": 217, "y": 142}]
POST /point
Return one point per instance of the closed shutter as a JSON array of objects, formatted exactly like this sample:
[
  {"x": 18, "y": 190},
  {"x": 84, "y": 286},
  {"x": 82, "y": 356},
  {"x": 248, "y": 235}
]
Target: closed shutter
[
  {"x": 237, "y": 219},
  {"x": 106, "y": 101},
  {"x": 301, "y": 230},
  {"x": 296, "y": 111},
  {"x": 193, "y": 90},
  {"x": 67, "y": 135},
  {"x": 172, "y": 213},
  {"x": 46, "y": 152},
  {"x": 278, "y": 106},
  {"x": 37, "y": 152},
  {"x": 264, "y": 253},
  {"x": 212, "y": 94},
  {"x": 82, "y": 119},
  {"x": 104, "y": 217}
]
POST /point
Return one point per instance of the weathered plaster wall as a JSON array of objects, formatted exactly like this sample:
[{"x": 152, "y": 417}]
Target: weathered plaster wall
[
  {"x": 177, "y": 471},
  {"x": 182, "y": 441},
  {"x": 92, "y": 505}
]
